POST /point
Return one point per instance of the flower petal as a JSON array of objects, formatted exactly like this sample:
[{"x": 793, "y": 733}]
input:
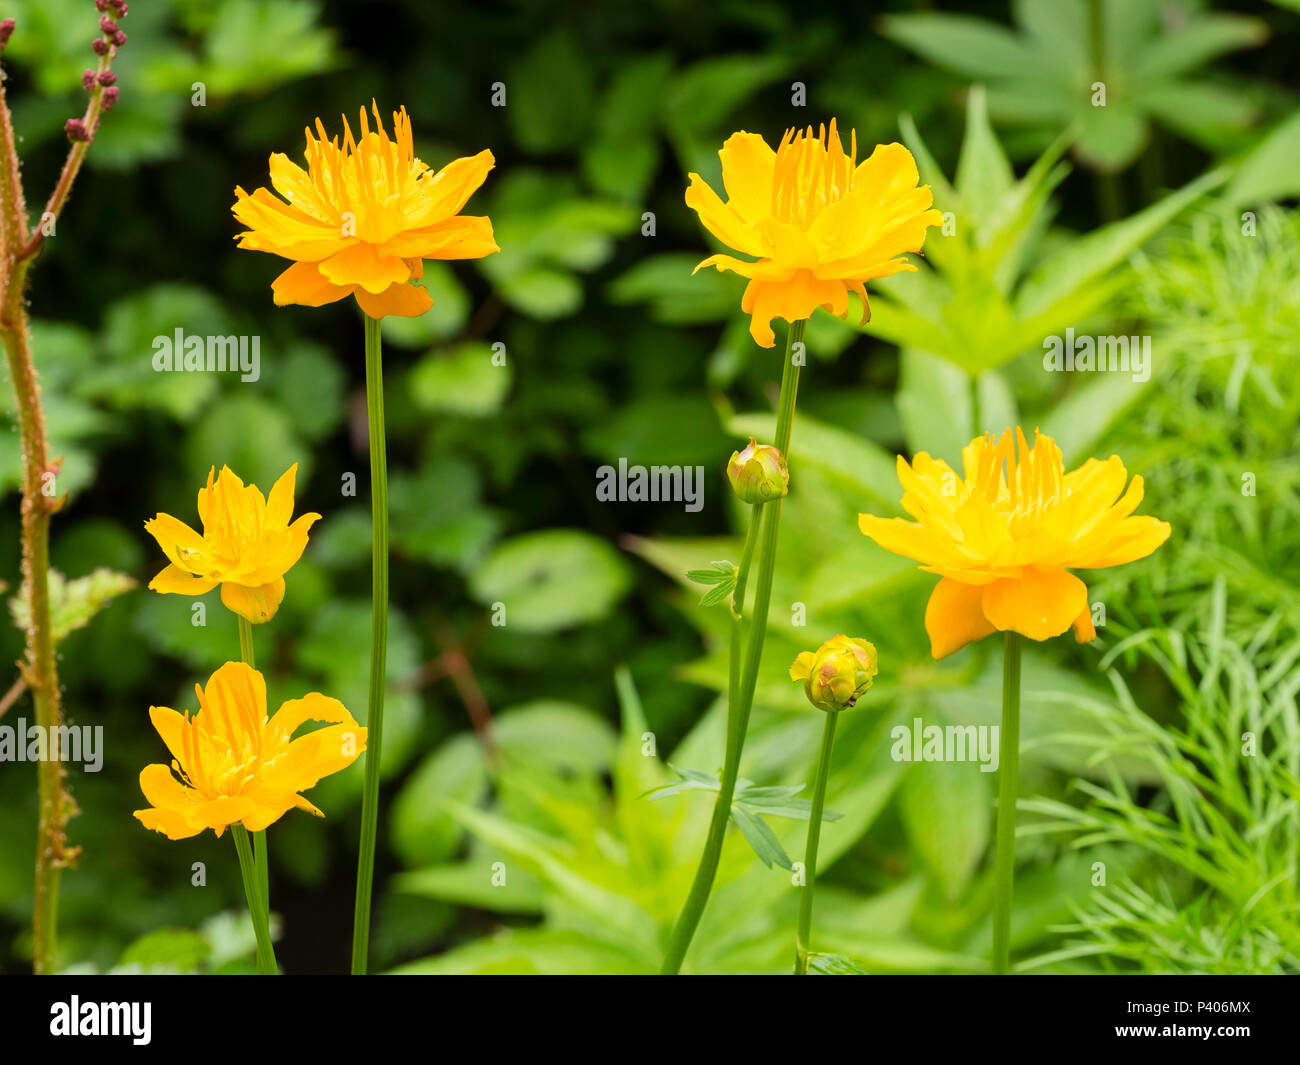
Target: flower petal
[
  {"x": 1040, "y": 604},
  {"x": 258, "y": 604},
  {"x": 402, "y": 301},
  {"x": 954, "y": 618}
]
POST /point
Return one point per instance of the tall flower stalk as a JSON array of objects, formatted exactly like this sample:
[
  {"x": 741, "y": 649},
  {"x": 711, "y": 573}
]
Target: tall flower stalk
[
  {"x": 1004, "y": 538},
  {"x": 19, "y": 248},
  {"x": 359, "y": 222},
  {"x": 765, "y": 527},
  {"x": 818, "y": 225},
  {"x": 834, "y": 677},
  {"x": 378, "y": 642}
]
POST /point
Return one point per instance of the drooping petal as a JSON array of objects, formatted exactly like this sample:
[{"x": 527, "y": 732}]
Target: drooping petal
[
  {"x": 954, "y": 617},
  {"x": 258, "y": 604},
  {"x": 174, "y": 580},
  {"x": 401, "y": 301},
  {"x": 1040, "y": 604},
  {"x": 303, "y": 283}
]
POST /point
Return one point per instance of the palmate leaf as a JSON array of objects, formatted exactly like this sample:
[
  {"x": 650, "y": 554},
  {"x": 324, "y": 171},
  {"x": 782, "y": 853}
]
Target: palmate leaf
[
  {"x": 987, "y": 298},
  {"x": 721, "y": 576},
  {"x": 1042, "y": 72},
  {"x": 73, "y": 603},
  {"x": 748, "y": 807}
]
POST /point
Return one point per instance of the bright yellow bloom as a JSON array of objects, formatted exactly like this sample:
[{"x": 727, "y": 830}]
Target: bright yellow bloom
[
  {"x": 820, "y": 223},
  {"x": 247, "y": 545},
  {"x": 1005, "y": 537},
  {"x": 234, "y": 764},
  {"x": 838, "y": 673},
  {"x": 363, "y": 216}
]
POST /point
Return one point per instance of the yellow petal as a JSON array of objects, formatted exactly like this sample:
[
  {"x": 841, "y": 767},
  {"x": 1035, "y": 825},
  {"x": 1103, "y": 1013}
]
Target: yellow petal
[
  {"x": 258, "y": 604},
  {"x": 801, "y": 668},
  {"x": 1084, "y": 631},
  {"x": 174, "y": 580},
  {"x": 401, "y": 301},
  {"x": 954, "y": 618},
  {"x": 748, "y": 163},
  {"x": 1040, "y": 604},
  {"x": 304, "y": 284},
  {"x": 362, "y": 265},
  {"x": 279, "y": 504}
]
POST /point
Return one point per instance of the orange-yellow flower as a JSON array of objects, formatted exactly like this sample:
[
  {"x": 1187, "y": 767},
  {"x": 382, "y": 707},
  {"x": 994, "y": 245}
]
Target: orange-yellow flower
[
  {"x": 1004, "y": 538},
  {"x": 247, "y": 544},
  {"x": 237, "y": 766},
  {"x": 360, "y": 220},
  {"x": 819, "y": 223}
]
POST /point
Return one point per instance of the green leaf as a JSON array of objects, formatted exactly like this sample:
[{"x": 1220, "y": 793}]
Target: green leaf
[
  {"x": 969, "y": 45},
  {"x": 703, "y": 95},
  {"x": 542, "y": 292},
  {"x": 174, "y": 950},
  {"x": 1201, "y": 39},
  {"x": 552, "y": 580},
  {"x": 72, "y": 603},
  {"x": 759, "y": 835},
  {"x": 835, "y": 965},
  {"x": 946, "y": 808},
  {"x": 464, "y": 380},
  {"x": 255, "y": 44},
  {"x": 421, "y": 829},
  {"x": 1268, "y": 172},
  {"x": 470, "y": 883}
]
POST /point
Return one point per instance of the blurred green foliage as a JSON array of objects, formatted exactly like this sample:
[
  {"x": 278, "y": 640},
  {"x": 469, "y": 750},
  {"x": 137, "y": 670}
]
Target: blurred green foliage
[{"x": 527, "y": 844}]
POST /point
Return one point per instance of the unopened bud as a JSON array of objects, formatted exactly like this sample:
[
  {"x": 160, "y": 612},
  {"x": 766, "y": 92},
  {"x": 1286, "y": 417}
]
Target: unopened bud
[
  {"x": 107, "y": 78},
  {"x": 110, "y": 97},
  {"x": 99, "y": 46},
  {"x": 838, "y": 673},
  {"x": 107, "y": 25},
  {"x": 758, "y": 473},
  {"x": 88, "y": 80},
  {"x": 76, "y": 130},
  {"x": 6, "y": 30},
  {"x": 118, "y": 39}
]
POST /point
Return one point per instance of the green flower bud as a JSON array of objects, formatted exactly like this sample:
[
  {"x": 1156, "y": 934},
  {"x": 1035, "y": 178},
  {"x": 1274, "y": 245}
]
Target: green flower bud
[
  {"x": 838, "y": 673},
  {"x": 758, "y": 473}
]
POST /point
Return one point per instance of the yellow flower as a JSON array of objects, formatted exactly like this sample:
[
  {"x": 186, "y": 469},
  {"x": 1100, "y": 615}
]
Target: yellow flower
[
  {"x": 1005, "y": 537},
  {"x": 838, "y": 673},
  {"x": 234, "y": 764},
  {"x": 819, "y": 223},
  {"x": 360, "y": 220},
  {"x": 247, "y": 545}
]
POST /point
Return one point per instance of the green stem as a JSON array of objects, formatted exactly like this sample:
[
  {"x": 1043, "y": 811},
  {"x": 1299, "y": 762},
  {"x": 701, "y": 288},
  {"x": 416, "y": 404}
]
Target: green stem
[
  {"x": 738, "y": 708},
  {"x": 1008, "y": 788},
  {"x": 802, "y": 936},
  {"x": 738, "y": 604},
  {"x": 260, "y": 858},
  {"x": 256, "y": 906},
  {"x": 378, "y": 645}
]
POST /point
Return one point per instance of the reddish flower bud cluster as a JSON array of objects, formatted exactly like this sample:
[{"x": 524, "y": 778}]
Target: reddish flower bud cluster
[
  {"x": 88, "y": 80},
  {"x": 76, "y": 130},
  {"x": 6, "y": 31},
  {"x": 107, "y": 78},
  {"x": 110, "y": 97}
]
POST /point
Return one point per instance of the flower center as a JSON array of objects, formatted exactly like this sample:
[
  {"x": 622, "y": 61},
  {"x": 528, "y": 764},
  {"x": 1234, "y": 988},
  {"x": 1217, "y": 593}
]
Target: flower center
[{"x": 811, "y": 173}]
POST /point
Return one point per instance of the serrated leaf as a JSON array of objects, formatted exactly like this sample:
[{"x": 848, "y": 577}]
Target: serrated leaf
[{"x": 73, "y": 603}]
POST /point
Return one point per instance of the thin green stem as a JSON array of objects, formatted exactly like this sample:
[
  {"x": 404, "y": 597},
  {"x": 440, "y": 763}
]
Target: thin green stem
[
  {"x": 378, "y": 645},
  {"x": 266, "y": 965},
  {"x": 261, "y": 860},
  {"x": 738, "y": 604},
  {"x": 1004, "y": 868},
  {"x": 803, "y": 934},
  {"x": 739, "y": 707}
]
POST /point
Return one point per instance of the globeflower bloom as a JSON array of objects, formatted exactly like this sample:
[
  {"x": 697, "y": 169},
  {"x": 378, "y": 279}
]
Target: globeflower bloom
[
  {"x": 838, "y": 673},
  {"x": 360, "y": 220},
  {"x": 1004, "y": 537},
  {"x": 818, "y": 223},
  {"x": 237, "y": 766},
  {"x": 247, "y": 545}
]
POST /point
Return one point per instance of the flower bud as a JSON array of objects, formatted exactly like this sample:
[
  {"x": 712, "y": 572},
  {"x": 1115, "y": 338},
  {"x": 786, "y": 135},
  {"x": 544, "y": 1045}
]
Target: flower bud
[
  {"x": 76, "y": 130},
  {"x": 99, "y": 46},
  {"x": 758, "y": 473},
  {"x": 6, "y": 30},
  {"x": 838, "y": 673},
  {"x": 110, "y": 97}
]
